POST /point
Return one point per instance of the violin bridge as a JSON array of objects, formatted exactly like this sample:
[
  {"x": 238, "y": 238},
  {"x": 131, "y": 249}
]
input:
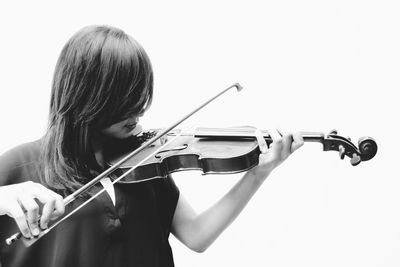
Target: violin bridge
[{"x": 163, "y": 140}]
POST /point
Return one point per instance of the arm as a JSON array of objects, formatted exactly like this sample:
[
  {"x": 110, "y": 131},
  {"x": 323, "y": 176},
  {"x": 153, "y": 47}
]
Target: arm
[{"x": 198, "y": 231}]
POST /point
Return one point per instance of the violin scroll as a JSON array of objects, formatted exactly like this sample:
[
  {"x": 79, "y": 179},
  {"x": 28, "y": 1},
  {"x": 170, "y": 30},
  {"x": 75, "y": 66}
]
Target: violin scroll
[
  {"x": 367, "y": 147},
  {"x": 366, "y": 150}
]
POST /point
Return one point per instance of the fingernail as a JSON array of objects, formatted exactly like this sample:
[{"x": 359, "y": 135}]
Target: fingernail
[
  {"x": 35, "y": 231},
  {"x": 27, "y": 235}
]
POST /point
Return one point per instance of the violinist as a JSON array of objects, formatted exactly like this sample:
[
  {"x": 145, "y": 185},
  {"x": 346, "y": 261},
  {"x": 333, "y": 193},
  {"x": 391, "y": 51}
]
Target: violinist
[{"x": 102, "y": 86}]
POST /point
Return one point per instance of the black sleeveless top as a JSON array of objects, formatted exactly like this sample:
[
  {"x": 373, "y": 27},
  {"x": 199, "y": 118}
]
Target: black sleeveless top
[{"x": 134, "y": 232}]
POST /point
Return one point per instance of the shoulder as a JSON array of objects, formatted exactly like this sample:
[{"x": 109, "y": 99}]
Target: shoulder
[
  {"x": 21, "y": 154},
  {"x": 18, "y": 160},
  {"x": 169, "y": 192},
  {"x": 168, "y": 187}
]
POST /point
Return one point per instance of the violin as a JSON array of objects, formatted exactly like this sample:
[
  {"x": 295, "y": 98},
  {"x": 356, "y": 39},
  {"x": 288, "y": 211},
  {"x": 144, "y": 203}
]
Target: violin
[
  {"x": 220, "y": 151},
  {"x": 158, "y": 153}
]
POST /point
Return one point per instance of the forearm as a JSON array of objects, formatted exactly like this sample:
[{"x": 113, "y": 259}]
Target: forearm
[
  {"x": 198, "y": 231},
  {"x": 204, "y": 228}
]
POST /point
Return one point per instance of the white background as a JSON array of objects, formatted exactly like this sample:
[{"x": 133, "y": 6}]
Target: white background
[{"x": 305, "y": 65}]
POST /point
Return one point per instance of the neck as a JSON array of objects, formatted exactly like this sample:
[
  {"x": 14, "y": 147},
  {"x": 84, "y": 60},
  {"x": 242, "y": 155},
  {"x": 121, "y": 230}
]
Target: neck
[{"x": 248, "y": 132}]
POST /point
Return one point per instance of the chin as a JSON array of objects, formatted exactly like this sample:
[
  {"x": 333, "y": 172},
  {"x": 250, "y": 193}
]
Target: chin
[{"x": 122, "y": 135}]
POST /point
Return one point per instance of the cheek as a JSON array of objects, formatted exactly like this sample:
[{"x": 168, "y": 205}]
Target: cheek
[{"x": 116, "y": 130}]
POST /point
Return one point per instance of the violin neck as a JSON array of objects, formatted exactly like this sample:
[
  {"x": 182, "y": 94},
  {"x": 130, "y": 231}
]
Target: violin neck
[{"x": 248, "y": 133}]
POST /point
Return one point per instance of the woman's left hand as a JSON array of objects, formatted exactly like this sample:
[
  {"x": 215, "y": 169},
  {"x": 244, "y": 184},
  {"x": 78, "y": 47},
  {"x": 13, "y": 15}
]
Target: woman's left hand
[{"x": 280, "y": 149}]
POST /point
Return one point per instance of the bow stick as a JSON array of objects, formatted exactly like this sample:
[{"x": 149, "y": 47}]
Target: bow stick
[{"x": 95, "y": 180}]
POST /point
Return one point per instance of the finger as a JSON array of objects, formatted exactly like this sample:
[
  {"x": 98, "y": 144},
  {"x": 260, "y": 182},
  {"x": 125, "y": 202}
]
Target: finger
[
  {"x": 276, "y": 145},
  {"x": 53, "y": 204},
  {"x": 32, "y": 210},
  {"x": 59, "y": 206},
  {"x": 287, "y": 145},
  {"x": 275, "y": 149},
  {"x": 47, "y": 211},
  {"x": 298, "y": 141},
  {"x": 275, "y": 135},
  {"x": 261, "y": 141},
  {"x": 19, "y": 216}
]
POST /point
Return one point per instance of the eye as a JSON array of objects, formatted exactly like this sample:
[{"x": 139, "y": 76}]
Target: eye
[{"x": 127, "y": 116}]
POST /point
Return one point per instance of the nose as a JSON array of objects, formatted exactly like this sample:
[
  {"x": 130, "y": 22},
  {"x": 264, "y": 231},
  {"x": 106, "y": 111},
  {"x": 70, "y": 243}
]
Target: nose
[{"x": 133, "y": 119}]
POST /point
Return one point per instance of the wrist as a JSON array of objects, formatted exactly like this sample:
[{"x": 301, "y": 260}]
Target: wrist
[{"x": 258, "y": 175}]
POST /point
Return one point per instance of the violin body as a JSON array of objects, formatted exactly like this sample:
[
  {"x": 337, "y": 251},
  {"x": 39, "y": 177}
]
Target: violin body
[{"x": 186, "y": 152}]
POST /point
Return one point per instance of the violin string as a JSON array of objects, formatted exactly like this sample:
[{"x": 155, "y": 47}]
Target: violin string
[{"x": 113, "y": 182}]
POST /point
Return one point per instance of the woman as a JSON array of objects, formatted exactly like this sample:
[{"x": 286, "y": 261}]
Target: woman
[{"x": 103, "y": 84}]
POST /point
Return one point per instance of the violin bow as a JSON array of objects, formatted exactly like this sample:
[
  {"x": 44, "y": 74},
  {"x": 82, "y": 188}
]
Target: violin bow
[{"x": 94, "y": 181}]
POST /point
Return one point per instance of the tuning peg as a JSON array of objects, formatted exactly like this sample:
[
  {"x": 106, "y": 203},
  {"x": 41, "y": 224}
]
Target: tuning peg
[
  {"x": 333, "y": 131},
  {"x": 342, "y": 151},
  {"x": 355, "y": 160}
]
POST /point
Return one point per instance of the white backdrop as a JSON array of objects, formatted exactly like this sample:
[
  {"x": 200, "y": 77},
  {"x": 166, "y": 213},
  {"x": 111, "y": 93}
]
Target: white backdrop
[{"x": 305, "y": 65}]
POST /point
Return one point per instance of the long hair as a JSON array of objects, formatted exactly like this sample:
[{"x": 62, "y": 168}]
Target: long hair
[{"x": 102, "y": 76}]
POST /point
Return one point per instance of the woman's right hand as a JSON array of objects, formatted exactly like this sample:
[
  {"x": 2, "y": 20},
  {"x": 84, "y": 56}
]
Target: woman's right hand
[{"x": 18, "y": 202}]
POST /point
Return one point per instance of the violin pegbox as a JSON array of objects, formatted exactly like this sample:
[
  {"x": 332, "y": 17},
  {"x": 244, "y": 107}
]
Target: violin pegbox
[{"x": 366, "y": 149}]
